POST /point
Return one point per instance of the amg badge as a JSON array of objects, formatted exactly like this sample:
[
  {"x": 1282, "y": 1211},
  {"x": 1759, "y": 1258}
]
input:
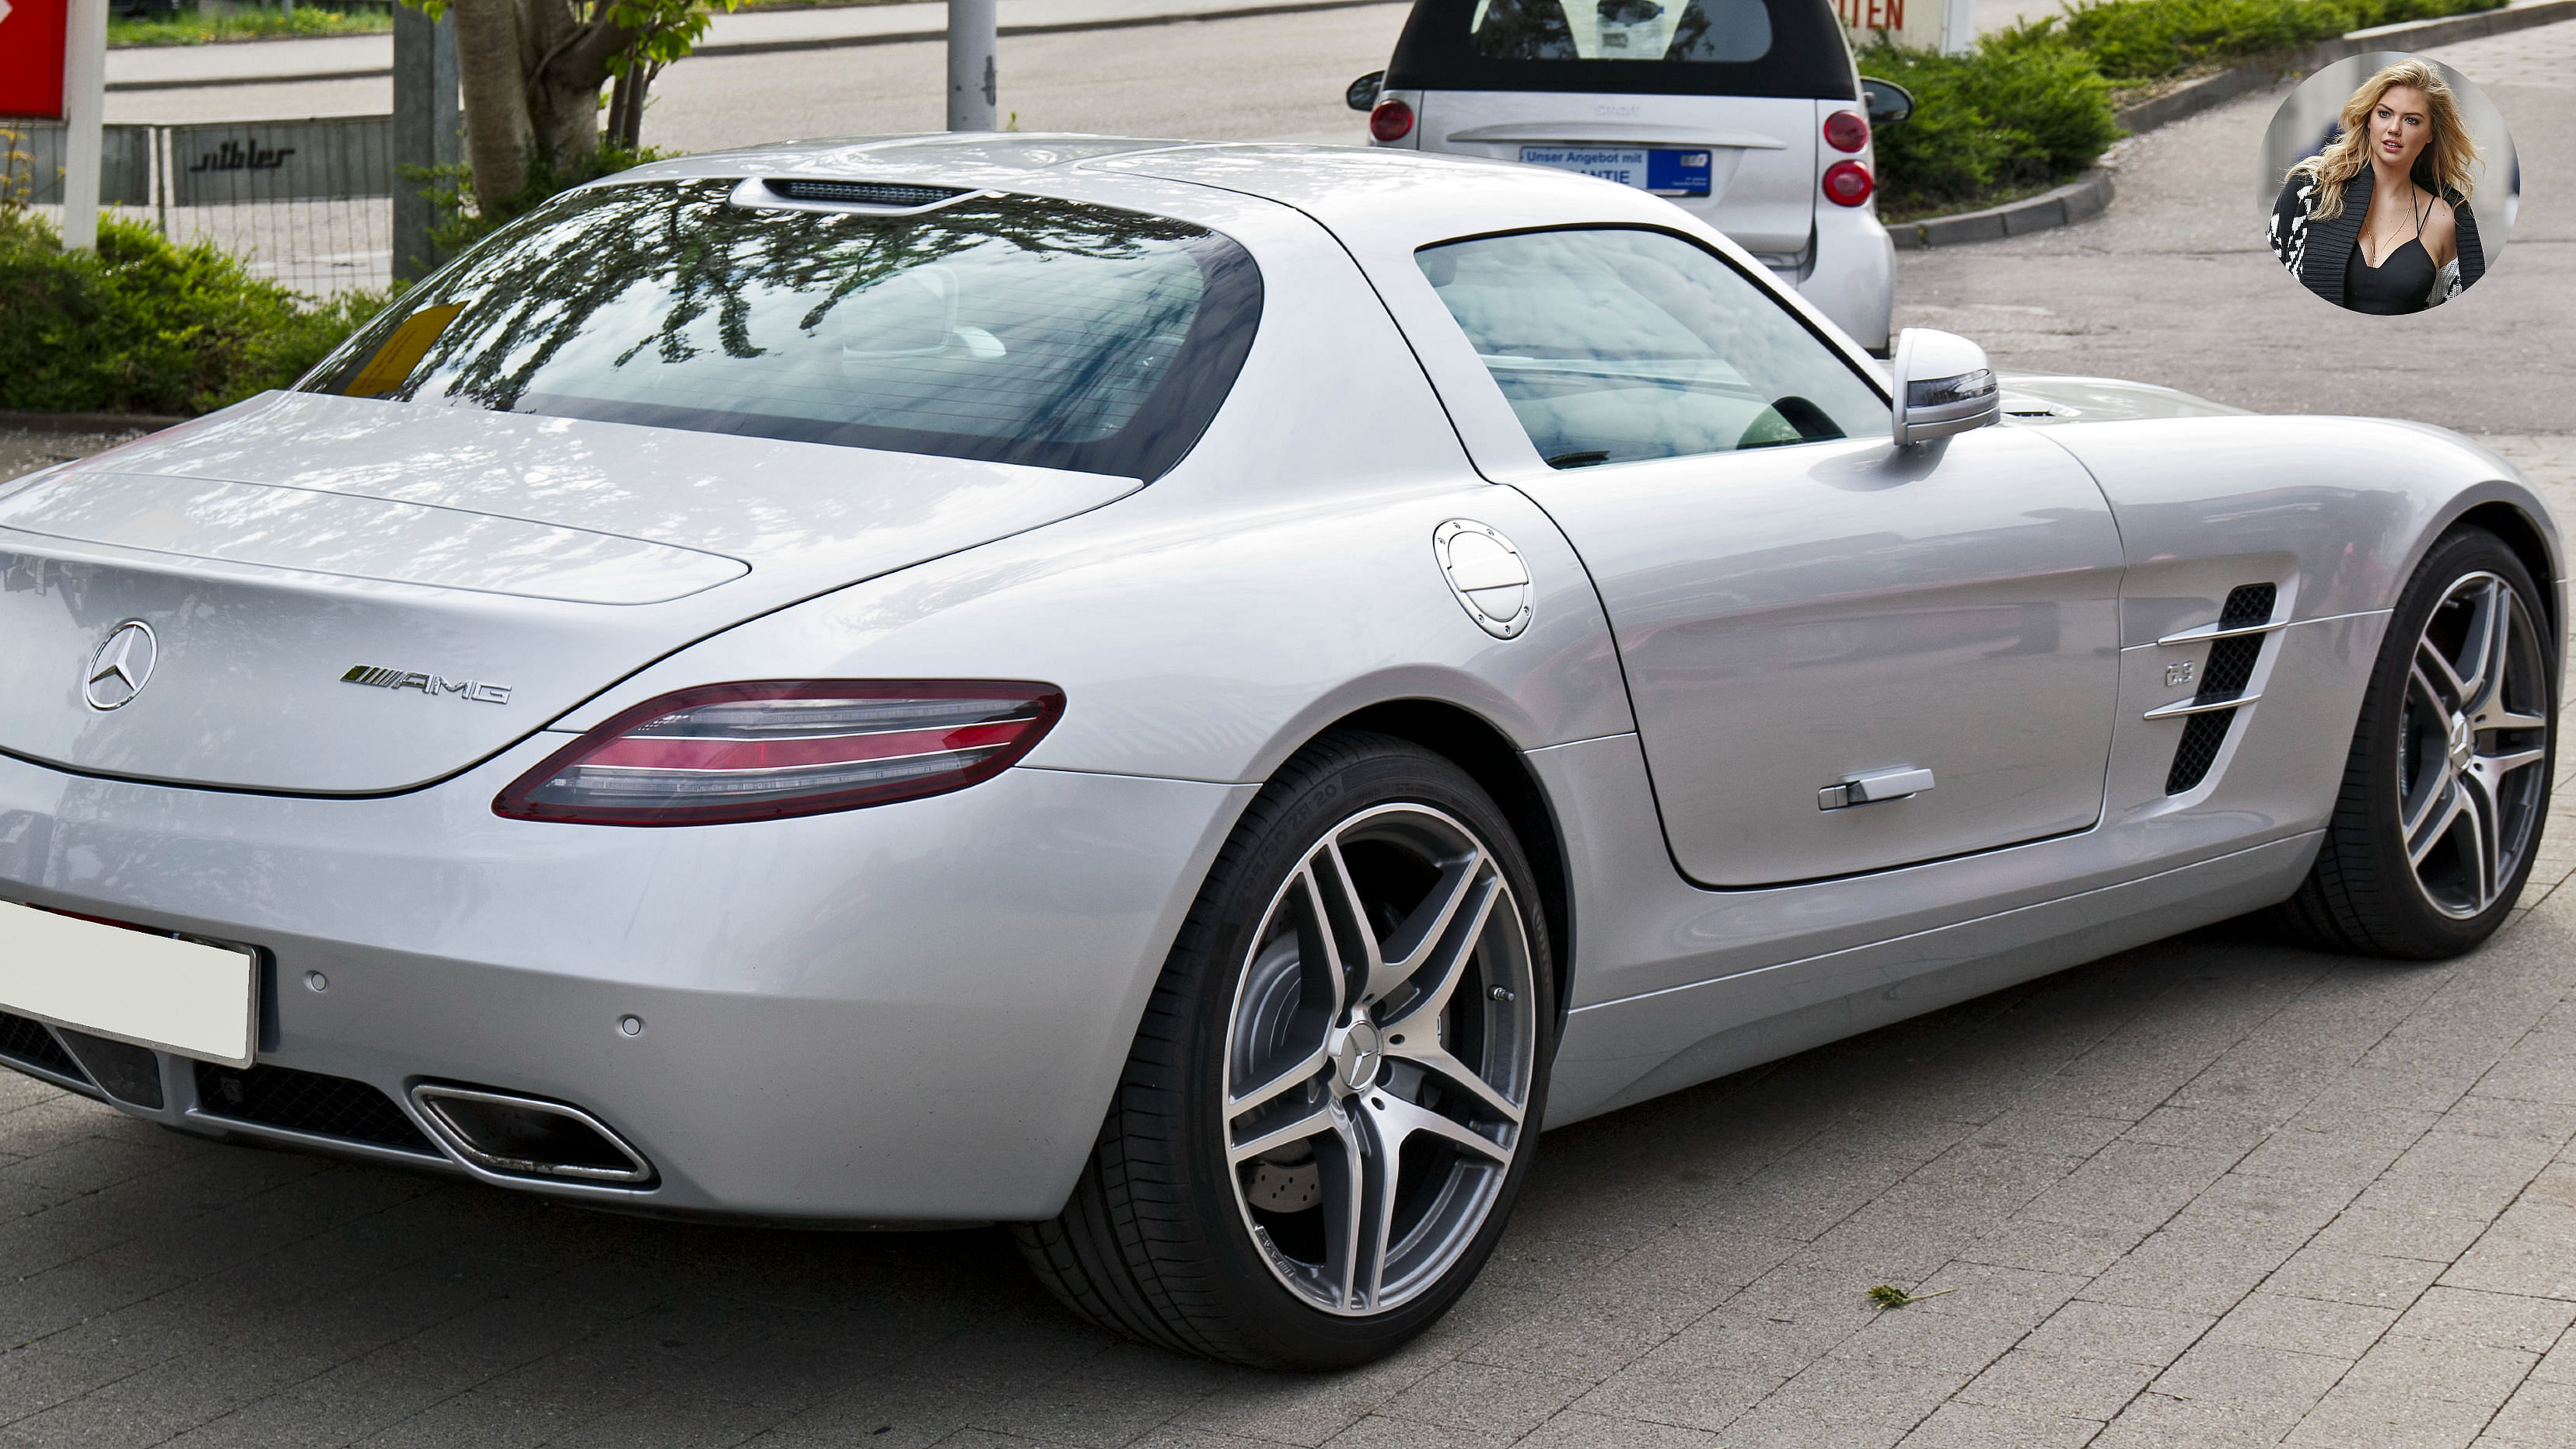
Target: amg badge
[{"x": 430, "y": 685}]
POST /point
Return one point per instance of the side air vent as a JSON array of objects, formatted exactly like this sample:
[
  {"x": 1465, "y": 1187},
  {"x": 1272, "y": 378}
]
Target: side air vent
[
  {"x": 25, "y": 1042},
  {"x": 2230, "y": 667},
  {"x": 865, "y": 193},
  {"x": 308, "y": 1102}
]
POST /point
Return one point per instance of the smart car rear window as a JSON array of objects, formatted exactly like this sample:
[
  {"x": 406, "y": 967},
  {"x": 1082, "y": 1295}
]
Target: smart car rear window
[
  {"x": 1012, "y": 329},
  {"x": 1790, "y": 48}
]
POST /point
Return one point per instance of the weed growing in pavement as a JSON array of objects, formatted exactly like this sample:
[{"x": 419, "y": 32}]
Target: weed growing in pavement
[{"x": 1887, "y": 1297}]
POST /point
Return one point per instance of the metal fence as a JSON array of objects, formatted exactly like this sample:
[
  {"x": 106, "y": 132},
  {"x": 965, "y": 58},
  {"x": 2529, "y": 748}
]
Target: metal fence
[{"x": 308, "y": 203}]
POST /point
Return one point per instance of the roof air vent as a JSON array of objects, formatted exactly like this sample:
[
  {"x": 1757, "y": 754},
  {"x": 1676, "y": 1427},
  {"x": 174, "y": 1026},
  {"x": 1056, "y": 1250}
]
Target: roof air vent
[{"x": 865, "y": 193}]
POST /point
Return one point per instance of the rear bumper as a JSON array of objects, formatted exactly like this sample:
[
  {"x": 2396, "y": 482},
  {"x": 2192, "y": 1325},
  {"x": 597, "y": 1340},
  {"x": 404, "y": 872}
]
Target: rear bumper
[
  {"x": 1853, "y": 279},
  {"x": 913, "y": 1013}
]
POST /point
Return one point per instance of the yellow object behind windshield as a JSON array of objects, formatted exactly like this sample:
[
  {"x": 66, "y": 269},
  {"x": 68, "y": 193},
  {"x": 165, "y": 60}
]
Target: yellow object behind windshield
[{"x": 403, "y": 351}]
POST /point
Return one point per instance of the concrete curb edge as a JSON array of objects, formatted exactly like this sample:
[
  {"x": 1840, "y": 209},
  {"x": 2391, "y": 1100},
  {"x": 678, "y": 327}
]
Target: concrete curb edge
[
  {"x": 2064, "y": 206},
  {"x": 2078, "y": 200}
]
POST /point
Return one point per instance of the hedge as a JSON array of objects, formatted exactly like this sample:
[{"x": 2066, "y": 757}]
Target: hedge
[
  {"x": 142, "y": 325},
  {"x": 2031, "y": 105}
]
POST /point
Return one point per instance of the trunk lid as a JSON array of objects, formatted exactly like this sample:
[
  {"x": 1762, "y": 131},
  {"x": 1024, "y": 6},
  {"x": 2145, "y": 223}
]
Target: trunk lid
[{"x": 345, "y": 596}]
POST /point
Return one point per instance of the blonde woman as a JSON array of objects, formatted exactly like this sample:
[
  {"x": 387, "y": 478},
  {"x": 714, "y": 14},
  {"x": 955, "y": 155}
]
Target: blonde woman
[{"x": 2379, "y": 222}]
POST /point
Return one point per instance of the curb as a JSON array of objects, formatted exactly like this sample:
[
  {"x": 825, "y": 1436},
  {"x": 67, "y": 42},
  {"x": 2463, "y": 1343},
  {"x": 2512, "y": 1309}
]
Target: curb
[
  {"x": 827, "y": 42},
  {"x": 86, "y": 422},
  {"x": 2090, "y": 192},
  {"x": 2078, "y": 200}
]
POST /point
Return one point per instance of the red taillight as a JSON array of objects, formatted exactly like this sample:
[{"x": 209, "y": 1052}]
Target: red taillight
[
  {"x": 1847, "y": 183},
  {"x": 1846, "y": 130},
  {"x": 761, "y": 751},
  {"x": 1391, "y": 121}
]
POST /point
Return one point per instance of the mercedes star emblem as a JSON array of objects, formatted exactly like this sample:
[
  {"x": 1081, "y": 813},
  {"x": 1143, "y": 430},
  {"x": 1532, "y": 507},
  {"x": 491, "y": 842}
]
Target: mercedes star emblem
[{"x": 122, "y": 666}]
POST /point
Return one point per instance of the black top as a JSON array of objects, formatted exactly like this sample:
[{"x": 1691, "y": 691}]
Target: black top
[
  {"x": 2318, "y": 253},
  {"x": 2393, "y": 288}
]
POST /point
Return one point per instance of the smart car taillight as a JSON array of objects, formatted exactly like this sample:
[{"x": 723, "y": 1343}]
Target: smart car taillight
[
  {"x": 1848, "y": 183},
  {"x": 1846, "y": 130},
  {"x": 760, "y": 751},
  {"x": 1391, "y": 121}
]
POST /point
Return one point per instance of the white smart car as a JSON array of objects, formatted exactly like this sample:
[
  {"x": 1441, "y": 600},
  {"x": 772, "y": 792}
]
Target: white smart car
[{"x": 1748, "y": 114}]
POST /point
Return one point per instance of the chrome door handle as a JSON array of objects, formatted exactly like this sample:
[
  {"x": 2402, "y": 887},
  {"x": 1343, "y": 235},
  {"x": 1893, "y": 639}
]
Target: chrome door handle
[{"x": 1873, "y": 789}]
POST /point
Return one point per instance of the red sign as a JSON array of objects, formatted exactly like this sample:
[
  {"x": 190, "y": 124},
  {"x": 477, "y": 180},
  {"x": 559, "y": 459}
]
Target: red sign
[{"x": 31, "y": 57}]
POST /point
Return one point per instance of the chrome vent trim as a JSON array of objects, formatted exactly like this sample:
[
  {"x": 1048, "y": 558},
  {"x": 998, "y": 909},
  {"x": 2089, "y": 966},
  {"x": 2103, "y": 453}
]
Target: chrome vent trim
[{"x": 2235, "y": 645}]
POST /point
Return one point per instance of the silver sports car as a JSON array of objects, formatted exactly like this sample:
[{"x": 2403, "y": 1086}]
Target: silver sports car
[{"x": 1189, "y": 698}]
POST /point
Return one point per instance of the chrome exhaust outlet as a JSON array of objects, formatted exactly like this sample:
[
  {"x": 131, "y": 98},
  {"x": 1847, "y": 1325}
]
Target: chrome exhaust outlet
[{"x": 517, "y": 1136}]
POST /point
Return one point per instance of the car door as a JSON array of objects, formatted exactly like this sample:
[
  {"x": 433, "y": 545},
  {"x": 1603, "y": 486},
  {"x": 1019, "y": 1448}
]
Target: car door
[{"x": 1844, "y": 656}]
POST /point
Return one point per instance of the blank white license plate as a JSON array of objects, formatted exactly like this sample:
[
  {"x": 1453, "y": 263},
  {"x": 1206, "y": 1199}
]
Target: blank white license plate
[{"x": 178, "y": 996}]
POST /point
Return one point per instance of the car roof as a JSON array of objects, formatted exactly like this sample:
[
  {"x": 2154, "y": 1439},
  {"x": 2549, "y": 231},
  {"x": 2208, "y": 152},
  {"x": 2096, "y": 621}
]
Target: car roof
[{"x": 1399, "y": 197}]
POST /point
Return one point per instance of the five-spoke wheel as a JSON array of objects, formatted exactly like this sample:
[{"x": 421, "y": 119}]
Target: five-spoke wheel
[
  {"x": 2472, "y": 745},
  {"x": 1378, "y": 1059},
  {"x": 1335, "y": 1093},
  {"x": 2447, "y": 784}
]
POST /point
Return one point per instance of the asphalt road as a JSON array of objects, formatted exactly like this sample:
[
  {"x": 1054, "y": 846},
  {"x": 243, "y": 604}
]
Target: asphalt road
[
  {"x": 2174, "y": 284},
  {"x": 1264, "y": 76}
]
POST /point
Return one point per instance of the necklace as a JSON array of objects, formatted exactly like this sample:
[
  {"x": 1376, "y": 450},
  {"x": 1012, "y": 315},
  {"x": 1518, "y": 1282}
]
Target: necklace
[{"x": 2373, "y": 255}]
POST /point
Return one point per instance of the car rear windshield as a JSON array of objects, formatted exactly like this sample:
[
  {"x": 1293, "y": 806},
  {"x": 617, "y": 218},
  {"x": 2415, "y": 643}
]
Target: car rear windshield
[
  {"x": 1790, "y": 48},
  {"x": 1004, "y": 328}
]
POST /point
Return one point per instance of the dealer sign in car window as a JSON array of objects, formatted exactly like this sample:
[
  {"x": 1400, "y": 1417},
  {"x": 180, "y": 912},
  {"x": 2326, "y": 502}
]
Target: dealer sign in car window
[{"x": 1663, "y": 172}]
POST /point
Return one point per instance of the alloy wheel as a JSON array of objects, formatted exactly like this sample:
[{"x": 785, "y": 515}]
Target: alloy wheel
[
  {"x": 2471, "y": 745},
  {"x": 1378, "y": 1059}
]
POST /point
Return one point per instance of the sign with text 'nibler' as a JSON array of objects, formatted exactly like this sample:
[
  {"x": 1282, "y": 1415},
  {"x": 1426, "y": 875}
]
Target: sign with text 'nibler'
[{"x": 31, "y": 57}]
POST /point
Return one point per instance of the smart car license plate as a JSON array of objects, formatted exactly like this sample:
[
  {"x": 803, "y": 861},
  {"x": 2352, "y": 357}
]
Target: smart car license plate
[
  {"x": 152, "y": 990},
  {"x": 1663, "y": 172}
]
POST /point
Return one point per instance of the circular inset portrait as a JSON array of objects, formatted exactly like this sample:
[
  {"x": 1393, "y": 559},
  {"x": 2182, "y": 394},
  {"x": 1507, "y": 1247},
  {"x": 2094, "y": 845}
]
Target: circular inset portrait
[{"x": 2391, "y": 183}]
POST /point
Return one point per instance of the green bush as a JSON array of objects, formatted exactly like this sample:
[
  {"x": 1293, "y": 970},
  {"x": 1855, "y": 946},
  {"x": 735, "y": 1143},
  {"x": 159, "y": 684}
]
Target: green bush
[
  {"x": 141, "y": 325},
  {"x": 2141, "y": 40},
  {"x": 2017, "y": 112},
  {"x": 191, "y": 28}
]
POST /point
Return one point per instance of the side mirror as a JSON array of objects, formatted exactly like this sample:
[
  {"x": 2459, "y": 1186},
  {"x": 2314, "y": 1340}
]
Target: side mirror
[
  {"x": 1362, "y": 96},
  {"x": 1943, "y": 386},
  {"x": 1888, "y": 103}
]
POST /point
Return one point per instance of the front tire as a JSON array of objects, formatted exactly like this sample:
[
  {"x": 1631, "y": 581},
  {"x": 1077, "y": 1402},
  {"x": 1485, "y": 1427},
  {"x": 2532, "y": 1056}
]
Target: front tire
[
  {"x": 2447, "y": 784},
  {"x": 1334, "y": 1096}
]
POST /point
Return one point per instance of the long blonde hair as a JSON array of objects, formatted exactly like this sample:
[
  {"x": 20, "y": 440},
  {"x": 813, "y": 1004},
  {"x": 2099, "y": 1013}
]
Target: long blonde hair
[{"x": 2448, "y": 155}]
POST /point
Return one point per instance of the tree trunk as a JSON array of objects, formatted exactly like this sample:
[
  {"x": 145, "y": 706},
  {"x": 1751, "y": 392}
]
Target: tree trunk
[{"x": 498, "y": 133}]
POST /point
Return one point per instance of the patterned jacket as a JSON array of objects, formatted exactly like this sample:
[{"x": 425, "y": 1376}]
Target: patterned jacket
[{"x": 2315, "y": 251}]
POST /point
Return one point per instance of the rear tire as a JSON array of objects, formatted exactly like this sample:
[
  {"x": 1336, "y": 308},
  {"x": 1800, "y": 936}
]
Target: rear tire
[
  {"x": 2446, "y": 788},
  {"x": 1365, "y": 981}
]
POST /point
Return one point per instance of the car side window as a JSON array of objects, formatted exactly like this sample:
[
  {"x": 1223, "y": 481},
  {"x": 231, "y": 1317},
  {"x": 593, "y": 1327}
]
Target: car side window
[{"x": 1620, "y": 344}]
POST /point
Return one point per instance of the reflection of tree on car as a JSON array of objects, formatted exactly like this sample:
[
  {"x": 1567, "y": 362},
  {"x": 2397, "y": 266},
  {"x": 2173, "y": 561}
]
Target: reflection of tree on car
[{"x": 1006, "y": 324}]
